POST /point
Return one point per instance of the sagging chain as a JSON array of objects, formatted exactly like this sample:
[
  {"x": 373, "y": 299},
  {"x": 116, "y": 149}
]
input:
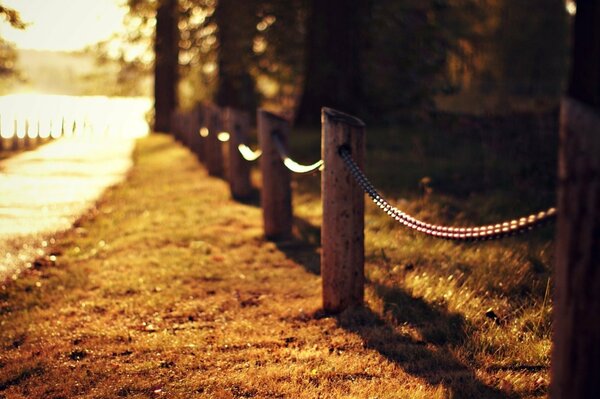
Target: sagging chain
[
  {"x": 479, "y": 233},
  {"x": 248, "y": 153},
  {"x": 293, "y": 165}
]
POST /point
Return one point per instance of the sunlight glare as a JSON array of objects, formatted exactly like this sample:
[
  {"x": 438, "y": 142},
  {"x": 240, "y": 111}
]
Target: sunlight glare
[
  {"x": 64, "y": 25},
  {"x": 58, "y": 115}
]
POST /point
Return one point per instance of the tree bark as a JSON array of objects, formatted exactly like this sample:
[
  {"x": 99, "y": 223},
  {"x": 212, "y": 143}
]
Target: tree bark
[
  {"x": 236, "y": 21},
  {"x": 333, "y": 73},
  {"x": 166, "y": 50},
  {"x": 576, "y": 350}
]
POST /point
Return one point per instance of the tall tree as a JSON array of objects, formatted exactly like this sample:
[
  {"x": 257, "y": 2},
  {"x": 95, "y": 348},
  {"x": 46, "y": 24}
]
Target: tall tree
[
  {"x": 8, "y": 54},
  {"x": 166, "y": 50},
  {"x": 236, "y": 25},
  {"x": 576, "y": 350},
  {"x": 333, "y": 73},
  {"x": 531, "y": 47}
]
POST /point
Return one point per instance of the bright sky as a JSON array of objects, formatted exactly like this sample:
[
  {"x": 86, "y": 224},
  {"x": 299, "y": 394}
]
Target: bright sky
[{"x": 63, "y": 24}]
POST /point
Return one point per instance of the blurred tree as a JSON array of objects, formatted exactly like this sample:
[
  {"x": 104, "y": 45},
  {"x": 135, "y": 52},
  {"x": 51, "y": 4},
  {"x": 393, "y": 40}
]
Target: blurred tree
[
  {"x": 279, "y": 45},
  {"x": 411, "y": 45},
  {"x": 236, "y": 23},
  {"x": 166, "y": 61},
  {"x": 531, "y": 47},
  {"x": 12, "y": 16},
  {"x": 333, "y": 73},
  {"x": 8, "y": 54}
]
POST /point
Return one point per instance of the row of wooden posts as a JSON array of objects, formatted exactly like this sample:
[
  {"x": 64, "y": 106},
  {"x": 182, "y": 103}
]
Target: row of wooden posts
[
  {"x": 342, "y": 231},
  {"x": 16, "y": 142},
  {"x": 575, "y": 358}
]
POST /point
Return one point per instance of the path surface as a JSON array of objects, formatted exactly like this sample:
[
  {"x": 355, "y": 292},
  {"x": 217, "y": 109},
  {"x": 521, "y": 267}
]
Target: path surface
[{"x": 46, "y": 190}]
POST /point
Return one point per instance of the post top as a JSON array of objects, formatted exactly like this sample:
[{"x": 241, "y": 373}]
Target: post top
[{"x": 341, "y": 117}]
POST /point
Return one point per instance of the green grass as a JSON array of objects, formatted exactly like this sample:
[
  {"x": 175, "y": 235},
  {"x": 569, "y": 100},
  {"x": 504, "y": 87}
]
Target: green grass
[{"x": 168, "y": 289}]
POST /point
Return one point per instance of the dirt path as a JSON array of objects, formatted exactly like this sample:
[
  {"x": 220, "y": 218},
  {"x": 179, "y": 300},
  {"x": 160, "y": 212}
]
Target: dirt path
[
  {"x": 167, "y": 289},
  {"x": 45, "y": 190}
]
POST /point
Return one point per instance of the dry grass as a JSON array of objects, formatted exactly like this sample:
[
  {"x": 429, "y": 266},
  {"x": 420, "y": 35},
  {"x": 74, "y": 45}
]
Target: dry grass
[{"x": 167, "y": 289}]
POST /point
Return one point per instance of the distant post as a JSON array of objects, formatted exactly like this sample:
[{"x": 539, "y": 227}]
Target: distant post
[
  {"x": 193, "y": 137},
  {"x": 276, "y": 192},
  {"x": 576, "y": 338},
  {"x": 175, "y": 125},
  {"x": 342, "y": 232},
  {"x": 16, "y": 141},
  {"x": 26, "y": 139},
  {"x": 214, "y": 148},
  {"x": 237, "y": 123}
]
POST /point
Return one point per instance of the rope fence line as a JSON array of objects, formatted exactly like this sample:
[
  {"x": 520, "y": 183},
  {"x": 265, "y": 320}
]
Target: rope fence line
[
  {"x": 292, "y": 165},
  {"x": 248, "y": 153},
  {"x": 343, "y": 185},
  {"x": 478, "y": 233}
]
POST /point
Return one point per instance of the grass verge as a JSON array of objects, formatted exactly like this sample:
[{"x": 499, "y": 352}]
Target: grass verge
[{"x": 167, "y": 289}]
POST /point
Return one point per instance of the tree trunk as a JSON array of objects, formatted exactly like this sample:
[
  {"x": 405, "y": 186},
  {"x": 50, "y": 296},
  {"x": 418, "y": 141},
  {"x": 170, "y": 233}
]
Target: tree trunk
[
  {"x": 236, "y": 21},
  {"x": 576, "y": 351},
  {"x": 333, "y": 73},
  {"x": 166, "y": 50}
]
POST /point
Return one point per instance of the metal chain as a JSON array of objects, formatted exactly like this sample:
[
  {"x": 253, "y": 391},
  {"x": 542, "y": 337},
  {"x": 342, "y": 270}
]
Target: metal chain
[
  {"x": 248, "y": 154},
  {"x": 479, "y": 233},
  {"x": 293, "y": 165}
]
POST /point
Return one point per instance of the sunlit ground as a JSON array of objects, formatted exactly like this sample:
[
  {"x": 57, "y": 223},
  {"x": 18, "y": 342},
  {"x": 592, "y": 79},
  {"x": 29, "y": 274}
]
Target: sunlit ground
[{"x": 46, "y": 189}]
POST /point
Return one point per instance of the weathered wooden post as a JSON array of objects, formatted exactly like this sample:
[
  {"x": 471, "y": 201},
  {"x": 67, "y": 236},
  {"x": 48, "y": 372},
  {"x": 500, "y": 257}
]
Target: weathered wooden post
[
  {"x": 276, "y": 191},
  {"x": 342, "y": 231},
  {"x": 237, "y": 123},
  {"x": 214, "y": 148},
  {"x": 197, "y": 142},
  {"x": 576, "y": 337}
]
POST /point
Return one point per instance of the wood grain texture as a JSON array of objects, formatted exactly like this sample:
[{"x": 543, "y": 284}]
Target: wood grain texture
[
  {"x": 342, "y": 232},
  {"x": 576, "y": 351}
]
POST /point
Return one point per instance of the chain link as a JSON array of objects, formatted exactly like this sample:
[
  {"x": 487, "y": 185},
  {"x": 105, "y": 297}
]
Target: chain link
[
  {"x": 293, "y": 165},
  {"x": 479, "y": 233}
]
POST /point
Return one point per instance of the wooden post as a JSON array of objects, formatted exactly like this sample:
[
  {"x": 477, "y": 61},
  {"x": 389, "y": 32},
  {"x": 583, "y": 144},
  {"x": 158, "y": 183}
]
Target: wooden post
[
  {"x": 192, "y": 130},
  {"x": 185, "y": 128},
  {"x": 174, "y": 126},
  {"x": 16, "y": 141},
  {"x": 342, "y": 232},
  {"x": 197, "y": 142},
  {"x": 237, "y": 123},
  {"x": 214, "y": 148},
  {"x": 576, "y": 329},
  {"x": 276, "y": 191},
  {"x": 26, "y": 138}
]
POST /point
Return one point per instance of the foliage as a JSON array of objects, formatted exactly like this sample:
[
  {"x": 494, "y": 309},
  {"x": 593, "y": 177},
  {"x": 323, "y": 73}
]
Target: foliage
[
  {"x": 8, "y": 54},
  {"x": 12, "y": 16},
  {"x": 411, "y": 51}
]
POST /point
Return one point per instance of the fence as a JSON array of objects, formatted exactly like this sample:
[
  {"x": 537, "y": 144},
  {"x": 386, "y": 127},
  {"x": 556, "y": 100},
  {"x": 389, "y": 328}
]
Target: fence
[
  {"x": 343, "y": 185},
  {"x": 26, "y": 135}
]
